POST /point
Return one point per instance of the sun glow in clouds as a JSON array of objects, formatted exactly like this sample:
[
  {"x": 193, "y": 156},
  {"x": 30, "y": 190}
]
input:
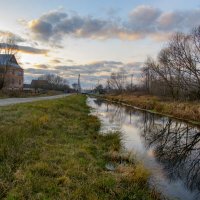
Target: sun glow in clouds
[{"x": 94, "y": 38}]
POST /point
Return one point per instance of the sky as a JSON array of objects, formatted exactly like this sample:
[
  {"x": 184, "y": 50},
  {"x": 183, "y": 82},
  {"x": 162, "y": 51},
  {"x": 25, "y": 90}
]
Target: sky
[{"x": 91, "y": 37}]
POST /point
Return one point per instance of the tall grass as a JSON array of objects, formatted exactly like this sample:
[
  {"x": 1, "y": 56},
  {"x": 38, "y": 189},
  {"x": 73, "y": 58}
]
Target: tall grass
[
  {"x": 189, "y": 111},
  {"x": 52, "y": 150}
]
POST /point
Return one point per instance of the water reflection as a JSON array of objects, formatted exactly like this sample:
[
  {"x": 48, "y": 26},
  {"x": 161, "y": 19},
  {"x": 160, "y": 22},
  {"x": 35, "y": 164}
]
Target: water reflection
[
  {"x": 176, "y": 146},
  {"x": 169, "y": 148}
]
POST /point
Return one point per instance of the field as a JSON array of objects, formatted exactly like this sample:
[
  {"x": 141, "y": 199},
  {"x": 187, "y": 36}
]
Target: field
[{"x": 52, "y": 150}]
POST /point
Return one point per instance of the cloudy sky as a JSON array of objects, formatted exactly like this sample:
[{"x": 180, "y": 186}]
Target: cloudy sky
[{"x": 92, "y": 37}]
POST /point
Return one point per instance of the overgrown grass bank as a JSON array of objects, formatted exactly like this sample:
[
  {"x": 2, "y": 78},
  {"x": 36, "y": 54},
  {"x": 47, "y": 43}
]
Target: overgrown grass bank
[
  {"x": 52, "y": 150},
  {"x": 189, "y": 111}
]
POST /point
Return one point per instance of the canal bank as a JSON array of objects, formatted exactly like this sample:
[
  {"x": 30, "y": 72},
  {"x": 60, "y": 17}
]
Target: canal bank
[
  {"x": 184, "y": 111},
  {"x": 168, "y": 148},
  {"x": 53, "y": 150}
]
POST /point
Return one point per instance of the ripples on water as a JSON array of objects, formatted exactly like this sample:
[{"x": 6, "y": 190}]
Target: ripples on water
[{"x": 170, "y": 149}]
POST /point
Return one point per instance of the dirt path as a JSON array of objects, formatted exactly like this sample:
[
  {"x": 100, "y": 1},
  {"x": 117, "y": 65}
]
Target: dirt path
[{"x": 11, "y": 101}]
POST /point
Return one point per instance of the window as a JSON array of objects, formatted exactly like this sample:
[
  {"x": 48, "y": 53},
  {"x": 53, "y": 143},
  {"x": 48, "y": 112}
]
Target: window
[
  {"x": 20, "y": 73},
  {"x": 20, "y": 82},
  {"x": 13, "y": 72},
  {"x": 13, "y": 81}
]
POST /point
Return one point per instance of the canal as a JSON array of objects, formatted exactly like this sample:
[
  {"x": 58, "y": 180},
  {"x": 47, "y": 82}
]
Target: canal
[{"x": 168, "y": 148}]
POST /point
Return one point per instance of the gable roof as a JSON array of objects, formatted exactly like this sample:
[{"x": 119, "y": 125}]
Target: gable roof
[{"x": 9, "y": 60}]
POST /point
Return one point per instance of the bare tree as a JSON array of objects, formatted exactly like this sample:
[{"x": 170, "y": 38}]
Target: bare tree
[
  {"x": 9, "y": 49},
  {"x": 99, "y": 89},
  {"x": 55, "y": 82},
  {"x": 117, "y": 81},
  {"x": 176, "y": 72}
]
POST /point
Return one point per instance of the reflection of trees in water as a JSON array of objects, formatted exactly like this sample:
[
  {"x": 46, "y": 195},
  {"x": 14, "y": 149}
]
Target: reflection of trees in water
[
  {"x": 177, "y": 146},
  {"x": 116, "y": 113},
  {"x": 99, "y": 102}
]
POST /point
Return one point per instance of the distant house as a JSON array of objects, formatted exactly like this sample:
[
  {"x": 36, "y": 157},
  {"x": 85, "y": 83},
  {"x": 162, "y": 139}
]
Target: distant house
[
  {"x": 39, "y": 85},
  {"x": 27, "y": 88},
  {"x": 11, "y": 72}
]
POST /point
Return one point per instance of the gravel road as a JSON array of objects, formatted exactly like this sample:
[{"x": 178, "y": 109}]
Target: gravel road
[{"x": 11, "y": 101}]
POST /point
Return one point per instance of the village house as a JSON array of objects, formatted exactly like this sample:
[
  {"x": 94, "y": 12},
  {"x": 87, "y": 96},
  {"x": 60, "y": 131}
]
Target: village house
[
  {"x": 39, "y": 85},
  {"x": 11, "y": 73}
]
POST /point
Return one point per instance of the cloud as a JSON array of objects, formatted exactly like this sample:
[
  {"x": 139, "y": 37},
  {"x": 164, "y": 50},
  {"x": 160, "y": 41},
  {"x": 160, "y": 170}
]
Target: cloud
[
  {"x": 91, "y": 68},
  {"x": 143, "y": 21},
  {"x": 23, "y": 49},
  {"x": 70, "y": 61},
  {"x": 55, "y": 61},
  {"x": 16, "y": 38},
  {"x": 143, "y": 18},
  {"x": 32, "y": 50},
  {"x": 40, "y": 71},
  {"x": 90, "y": 73},
  {"x": 179, "y": 20},
  {"x": 41, "y": 29},
  {"x": 42, "y": 66},
  {"x": 54, "y": 16}
]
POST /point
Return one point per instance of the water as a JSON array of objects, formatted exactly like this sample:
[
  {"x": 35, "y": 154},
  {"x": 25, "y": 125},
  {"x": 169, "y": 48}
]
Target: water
[{"x": 170, "y": 149}]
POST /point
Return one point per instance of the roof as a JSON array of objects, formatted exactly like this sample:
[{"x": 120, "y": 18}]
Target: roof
[
  {"x": 39, "y": 83},
  {"x": 27, "y": 85},
  {"x": 9, "y": 60}
]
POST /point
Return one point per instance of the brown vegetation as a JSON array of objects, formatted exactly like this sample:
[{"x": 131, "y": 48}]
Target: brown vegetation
[{"x": 189, "y": 111}]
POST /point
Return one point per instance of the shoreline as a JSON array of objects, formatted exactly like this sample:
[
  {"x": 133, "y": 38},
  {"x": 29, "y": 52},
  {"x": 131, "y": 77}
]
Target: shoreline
[{"x": 128, "y": 103}]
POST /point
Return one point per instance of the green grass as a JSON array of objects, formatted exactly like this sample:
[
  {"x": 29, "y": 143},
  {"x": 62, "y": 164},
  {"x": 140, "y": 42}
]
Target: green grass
[{"x": 52, "y": 150}]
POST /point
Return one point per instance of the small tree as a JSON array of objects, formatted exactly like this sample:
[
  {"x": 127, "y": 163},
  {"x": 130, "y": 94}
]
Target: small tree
[
  {"x": 99, "y": 89},
  {"x": 75, "y": 86}
]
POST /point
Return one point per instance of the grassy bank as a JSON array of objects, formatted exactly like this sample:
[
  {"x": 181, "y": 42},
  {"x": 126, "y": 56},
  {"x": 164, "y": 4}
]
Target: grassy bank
[
  {"x": 52, "y": 150},
  {"x": 189, "y": 111}
]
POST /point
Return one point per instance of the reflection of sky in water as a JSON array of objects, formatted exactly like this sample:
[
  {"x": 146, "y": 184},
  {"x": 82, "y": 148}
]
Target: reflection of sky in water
[
  {"x": 114, "y": 118},
  {"x": 132, "y": 141}
]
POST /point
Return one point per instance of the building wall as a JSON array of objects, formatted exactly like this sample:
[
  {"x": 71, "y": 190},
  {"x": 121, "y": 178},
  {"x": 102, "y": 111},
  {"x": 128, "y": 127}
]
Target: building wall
[{"x": 14, "y": 79}]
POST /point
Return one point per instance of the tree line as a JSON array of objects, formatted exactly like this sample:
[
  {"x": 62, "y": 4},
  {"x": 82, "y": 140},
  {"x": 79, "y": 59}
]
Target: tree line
[
  {"x": 175, "y": 73},
  {"x": 55, "y": 82}
]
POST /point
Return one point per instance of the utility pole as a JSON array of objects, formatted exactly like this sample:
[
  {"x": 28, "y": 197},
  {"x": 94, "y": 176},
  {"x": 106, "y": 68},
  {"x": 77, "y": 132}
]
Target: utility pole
[
  {"x": 79, "y": 84},
  {"x": 131, "y": 82}
]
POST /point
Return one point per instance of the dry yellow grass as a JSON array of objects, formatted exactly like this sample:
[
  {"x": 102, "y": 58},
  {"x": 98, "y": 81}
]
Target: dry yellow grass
[{"x": 189, "y": 111}]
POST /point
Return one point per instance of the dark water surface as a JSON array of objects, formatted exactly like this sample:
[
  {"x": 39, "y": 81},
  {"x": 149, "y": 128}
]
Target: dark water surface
[{"x": 170, "y": 149}]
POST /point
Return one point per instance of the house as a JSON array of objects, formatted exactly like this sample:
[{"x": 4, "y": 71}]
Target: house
[
  {"x": 39, "y": 85},
  {"x": 11, "y": 74},
  {"x": 27, "y": 88}
]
